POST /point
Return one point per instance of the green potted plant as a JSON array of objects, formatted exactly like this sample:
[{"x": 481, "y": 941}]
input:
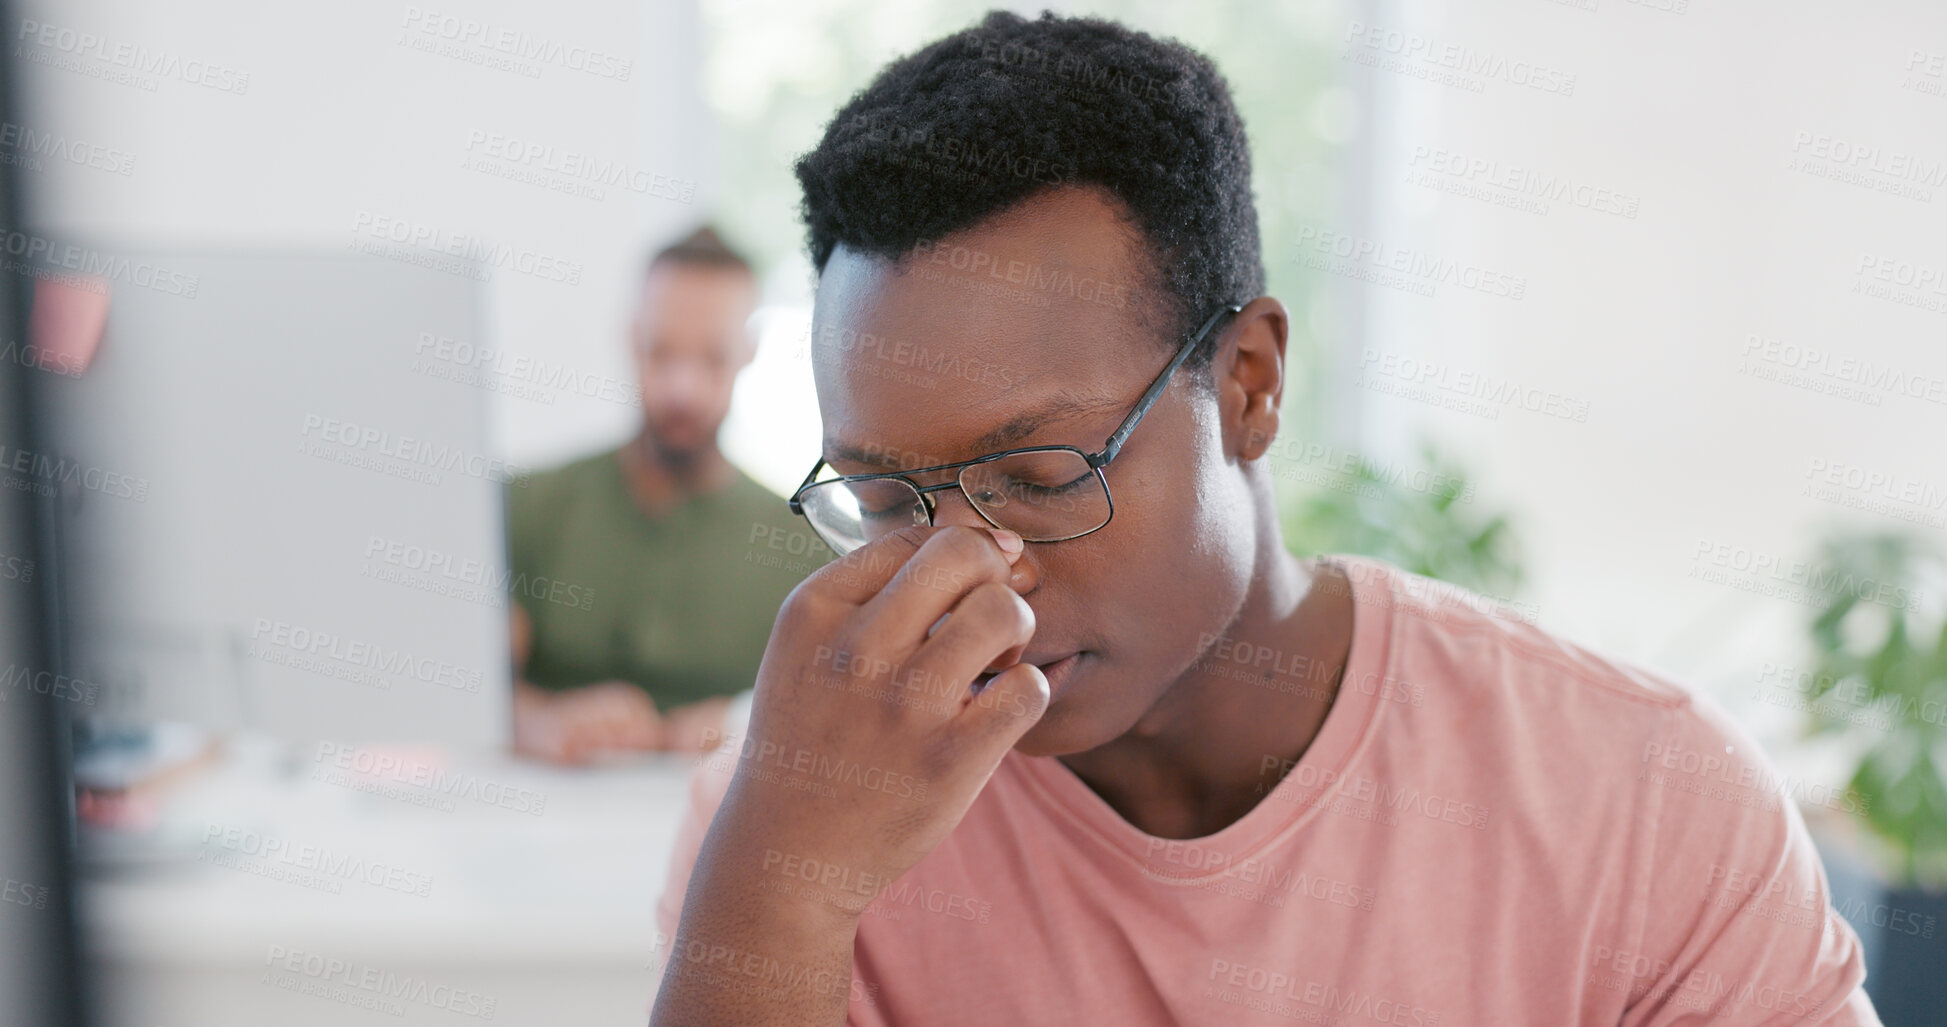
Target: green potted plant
[
  {"x": 1878, "y": 681},
  {"x": 1422, "y": 519}
]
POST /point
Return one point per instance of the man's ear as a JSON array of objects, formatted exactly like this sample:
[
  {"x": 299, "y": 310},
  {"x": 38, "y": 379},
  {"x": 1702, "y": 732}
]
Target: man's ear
[{"x": 1249, "y": 373}]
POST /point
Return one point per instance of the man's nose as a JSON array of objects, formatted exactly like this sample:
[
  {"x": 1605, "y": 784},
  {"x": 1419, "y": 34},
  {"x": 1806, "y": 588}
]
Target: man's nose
[
  {"x": 680, "y": 380},
  {"x": 951, "y": 507}
]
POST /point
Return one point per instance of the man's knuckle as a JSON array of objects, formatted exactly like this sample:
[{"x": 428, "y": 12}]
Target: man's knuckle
[
  {"x": 958, "y": 543},
  {"x": 811, "y": 602},
  {"x": 970, "y": 556},
  {"x": 997, "y": 597},
  {"x": 896, "y": 544},
  {"x": 1003, "y": 605}
]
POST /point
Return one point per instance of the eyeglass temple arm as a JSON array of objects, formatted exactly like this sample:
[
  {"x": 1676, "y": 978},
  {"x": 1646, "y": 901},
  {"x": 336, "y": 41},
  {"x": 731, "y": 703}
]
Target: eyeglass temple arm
[
  {"x": 796, "y": 506},
  {"x": 1114, "y": 445}
]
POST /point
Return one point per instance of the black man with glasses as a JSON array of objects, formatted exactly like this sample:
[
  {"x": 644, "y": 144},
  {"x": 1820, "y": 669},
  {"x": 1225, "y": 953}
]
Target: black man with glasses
[{"x": 1069, "y": 736}]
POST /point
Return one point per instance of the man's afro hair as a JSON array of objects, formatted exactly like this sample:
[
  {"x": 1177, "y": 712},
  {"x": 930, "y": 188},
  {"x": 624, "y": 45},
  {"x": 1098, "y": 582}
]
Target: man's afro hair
[{"x": 980, "y": 120}]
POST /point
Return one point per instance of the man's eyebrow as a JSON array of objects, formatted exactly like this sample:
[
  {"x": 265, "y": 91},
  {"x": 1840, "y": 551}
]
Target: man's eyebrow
[
  {"x": 1064, "y": 405},
  {"x": 836, "y": 451}
]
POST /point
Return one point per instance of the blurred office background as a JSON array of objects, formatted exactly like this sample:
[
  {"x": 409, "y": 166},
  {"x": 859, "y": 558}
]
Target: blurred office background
[{"x": 1626, "y": 312}]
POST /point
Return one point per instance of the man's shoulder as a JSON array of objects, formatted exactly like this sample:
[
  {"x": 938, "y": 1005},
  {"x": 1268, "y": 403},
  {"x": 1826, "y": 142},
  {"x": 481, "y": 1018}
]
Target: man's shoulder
[
  {"x": 778, "y": 543},
  {"x": 1483, "y": 646},
  {"x": 1514, "y": 697},
  {"x": 749, "y": 495},
  {"x": 578, "y": 471},
  {"x": 543, "y": 493}
]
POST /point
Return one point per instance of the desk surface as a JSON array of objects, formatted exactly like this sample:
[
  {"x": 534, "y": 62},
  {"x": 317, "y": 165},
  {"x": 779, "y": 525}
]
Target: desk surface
[{"x": 294, "y": 850}]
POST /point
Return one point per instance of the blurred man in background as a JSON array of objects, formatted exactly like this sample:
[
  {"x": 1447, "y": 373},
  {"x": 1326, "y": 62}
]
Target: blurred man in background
[{"x": 659, "y": 603}]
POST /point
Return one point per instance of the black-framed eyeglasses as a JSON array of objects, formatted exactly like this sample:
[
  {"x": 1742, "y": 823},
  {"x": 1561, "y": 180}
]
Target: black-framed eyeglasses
[{"x": 1041, "y": 493}]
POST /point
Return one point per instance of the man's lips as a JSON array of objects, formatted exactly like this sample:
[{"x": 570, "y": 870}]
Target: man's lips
[
  {"x": 1059, "y": 673},
  {"x": 1057, "y": 669}
]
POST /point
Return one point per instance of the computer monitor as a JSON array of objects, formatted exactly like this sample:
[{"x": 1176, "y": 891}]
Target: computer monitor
[{"x": 280, "y": 504}]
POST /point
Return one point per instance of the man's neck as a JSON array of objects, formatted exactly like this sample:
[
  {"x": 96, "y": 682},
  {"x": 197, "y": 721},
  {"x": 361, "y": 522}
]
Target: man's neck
[
  {"x": 659, "y": 484},
  {"x": 1195, "y": 763}
]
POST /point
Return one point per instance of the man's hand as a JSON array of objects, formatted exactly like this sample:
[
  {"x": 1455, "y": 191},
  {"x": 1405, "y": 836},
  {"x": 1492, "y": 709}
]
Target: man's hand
[
  {"x": 857, "y": 674},
  {"x": 694, "y": 727},
  {"x": 571, "y": 726},
  {"x": 860, "y": 675}
]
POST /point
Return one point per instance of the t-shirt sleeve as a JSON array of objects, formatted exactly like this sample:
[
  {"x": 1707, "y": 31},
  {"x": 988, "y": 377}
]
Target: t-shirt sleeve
[{"x": 1738, "y": 925}]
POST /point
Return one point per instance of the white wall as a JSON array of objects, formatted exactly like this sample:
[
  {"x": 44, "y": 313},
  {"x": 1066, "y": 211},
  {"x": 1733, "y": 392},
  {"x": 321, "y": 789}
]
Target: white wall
[
  {"x": 1709, "y": 119},
  {"x": 1703, "y": 120},
  {"x": 340, "y": 114}
]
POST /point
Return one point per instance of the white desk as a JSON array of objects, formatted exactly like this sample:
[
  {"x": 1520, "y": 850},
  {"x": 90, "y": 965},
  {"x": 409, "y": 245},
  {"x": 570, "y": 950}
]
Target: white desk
[{"x": 550, "y": 916}]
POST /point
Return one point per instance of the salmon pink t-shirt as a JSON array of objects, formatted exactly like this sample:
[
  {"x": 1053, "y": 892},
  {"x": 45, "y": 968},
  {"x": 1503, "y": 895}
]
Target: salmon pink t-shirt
[{"x": 1492, "y": 827}]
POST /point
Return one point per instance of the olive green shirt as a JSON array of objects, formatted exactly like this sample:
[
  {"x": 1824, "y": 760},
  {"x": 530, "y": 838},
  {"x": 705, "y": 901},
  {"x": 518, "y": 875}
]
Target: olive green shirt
[{"x": 680, "y": 605}]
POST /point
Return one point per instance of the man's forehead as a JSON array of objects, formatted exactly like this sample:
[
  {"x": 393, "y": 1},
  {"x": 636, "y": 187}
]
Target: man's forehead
[
  {"x": 869, "y": 308},
  {"x": 927, "y": 359},
  {"x": 935, "y": 440}
]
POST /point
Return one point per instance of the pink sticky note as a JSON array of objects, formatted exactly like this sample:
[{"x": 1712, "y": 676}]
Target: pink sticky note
[{"x": 66, "y": 323}]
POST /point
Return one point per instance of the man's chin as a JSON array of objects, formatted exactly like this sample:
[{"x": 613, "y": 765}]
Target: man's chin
[
  {"x": 1063, "y": 731},
  {"x": 679, "y": 448}
]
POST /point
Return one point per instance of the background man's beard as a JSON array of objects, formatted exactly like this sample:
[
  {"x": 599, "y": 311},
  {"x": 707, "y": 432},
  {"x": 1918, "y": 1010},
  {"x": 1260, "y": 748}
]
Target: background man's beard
[{"x": 678, "y": 458}]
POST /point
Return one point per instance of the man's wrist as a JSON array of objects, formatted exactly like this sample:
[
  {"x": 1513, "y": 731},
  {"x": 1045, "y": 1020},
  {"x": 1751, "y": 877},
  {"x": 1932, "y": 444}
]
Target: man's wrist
[{"x": 803, "y": 879}]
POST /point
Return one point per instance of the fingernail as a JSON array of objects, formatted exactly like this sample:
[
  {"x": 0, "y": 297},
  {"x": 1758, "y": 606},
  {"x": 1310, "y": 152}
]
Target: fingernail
[{"x": 1009, "y": 542}]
